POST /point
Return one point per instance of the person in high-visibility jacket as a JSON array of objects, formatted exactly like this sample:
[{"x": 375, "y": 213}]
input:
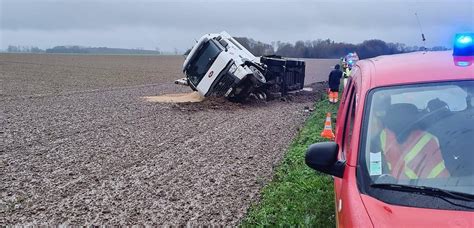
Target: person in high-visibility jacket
[
  {"x": 410, "y": 152},
  {"x": 347, "y": 72},
  {"x": 334, "y": 81}
]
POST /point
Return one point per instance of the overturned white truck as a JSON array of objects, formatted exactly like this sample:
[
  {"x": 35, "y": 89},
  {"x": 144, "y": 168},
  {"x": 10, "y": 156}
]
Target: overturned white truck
[{"x": 219, "y": 66}]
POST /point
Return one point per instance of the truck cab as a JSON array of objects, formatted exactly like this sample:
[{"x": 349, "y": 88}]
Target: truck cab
[
  {"x": 402, "y": 156},
  {"x": 218, "y": 65}
]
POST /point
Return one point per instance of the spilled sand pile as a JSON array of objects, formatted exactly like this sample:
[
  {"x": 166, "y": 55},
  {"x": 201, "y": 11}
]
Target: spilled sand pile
[{"x": 176, "y": 98}]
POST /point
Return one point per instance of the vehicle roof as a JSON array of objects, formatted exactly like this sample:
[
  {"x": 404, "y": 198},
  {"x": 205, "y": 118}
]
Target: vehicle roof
[{"x": 412, "y": 68}]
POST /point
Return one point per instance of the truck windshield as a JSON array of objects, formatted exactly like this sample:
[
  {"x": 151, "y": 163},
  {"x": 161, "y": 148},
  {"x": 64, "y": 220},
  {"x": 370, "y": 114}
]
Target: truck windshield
[
  {"x": 201, "y": 62},
  {"x": 421, "y": 135}
]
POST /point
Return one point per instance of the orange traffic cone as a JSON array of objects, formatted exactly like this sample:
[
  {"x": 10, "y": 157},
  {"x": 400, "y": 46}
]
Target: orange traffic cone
[{"x": 327, "y": 132}]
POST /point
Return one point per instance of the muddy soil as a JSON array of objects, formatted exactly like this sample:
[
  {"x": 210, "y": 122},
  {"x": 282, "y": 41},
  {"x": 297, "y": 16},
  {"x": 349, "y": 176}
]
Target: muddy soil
[{"x": 73, "y": 153}]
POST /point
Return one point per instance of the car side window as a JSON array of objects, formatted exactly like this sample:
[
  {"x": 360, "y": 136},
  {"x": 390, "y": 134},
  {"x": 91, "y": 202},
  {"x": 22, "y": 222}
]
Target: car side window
[{"x": 349, "y": 122}]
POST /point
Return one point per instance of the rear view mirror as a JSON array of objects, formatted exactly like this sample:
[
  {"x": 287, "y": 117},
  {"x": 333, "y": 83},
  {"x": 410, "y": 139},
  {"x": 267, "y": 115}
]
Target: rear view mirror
[{"x": 323, "y": 157}]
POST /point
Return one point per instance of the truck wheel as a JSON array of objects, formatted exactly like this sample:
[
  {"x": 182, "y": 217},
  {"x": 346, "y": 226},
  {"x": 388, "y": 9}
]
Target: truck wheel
[
  {"x": 258, "y": 75},
  {"x": 262, "y": 96},
  {"x": 258, "y": 96}
]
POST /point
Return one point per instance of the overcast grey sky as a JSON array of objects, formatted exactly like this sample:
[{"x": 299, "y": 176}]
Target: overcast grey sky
[{"x": 175, "y": 24}]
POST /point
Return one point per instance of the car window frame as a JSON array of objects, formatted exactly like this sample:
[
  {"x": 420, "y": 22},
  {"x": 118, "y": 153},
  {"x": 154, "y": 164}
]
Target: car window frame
[
  {"x": 363, "y": 179},
  {"x": 349, "y": 107}
]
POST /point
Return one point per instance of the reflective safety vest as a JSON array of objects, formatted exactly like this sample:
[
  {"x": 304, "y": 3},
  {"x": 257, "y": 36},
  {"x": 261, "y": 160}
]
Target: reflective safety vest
[
  {"x": 418, "y": 157},
  {"x": 347, "y": 72}
]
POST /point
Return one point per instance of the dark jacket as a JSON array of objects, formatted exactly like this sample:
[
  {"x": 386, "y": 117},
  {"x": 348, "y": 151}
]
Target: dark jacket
[{"x": 334, "y": 80}]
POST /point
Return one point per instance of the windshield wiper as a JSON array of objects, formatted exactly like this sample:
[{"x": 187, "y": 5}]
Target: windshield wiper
[{"x": 425, "y": 190}]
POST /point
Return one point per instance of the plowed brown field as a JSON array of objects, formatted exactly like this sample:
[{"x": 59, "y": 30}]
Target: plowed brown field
[{"x": 80, "y": 145}]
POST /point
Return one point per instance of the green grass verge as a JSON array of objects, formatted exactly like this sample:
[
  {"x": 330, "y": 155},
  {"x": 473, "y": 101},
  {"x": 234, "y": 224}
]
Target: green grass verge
[{"x": 298, "y": 195}]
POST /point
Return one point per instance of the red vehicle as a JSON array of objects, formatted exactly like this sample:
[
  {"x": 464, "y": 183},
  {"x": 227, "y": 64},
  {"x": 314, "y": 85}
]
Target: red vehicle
[{"x": 403, "y": 155}]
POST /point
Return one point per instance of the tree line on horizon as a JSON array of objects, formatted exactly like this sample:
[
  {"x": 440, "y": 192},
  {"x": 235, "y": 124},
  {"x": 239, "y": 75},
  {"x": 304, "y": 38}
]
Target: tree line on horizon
[
  {"x": 75, "y": 49},
  {"x": 301, "y": 49},
  {"x": 329, "y": 49}
]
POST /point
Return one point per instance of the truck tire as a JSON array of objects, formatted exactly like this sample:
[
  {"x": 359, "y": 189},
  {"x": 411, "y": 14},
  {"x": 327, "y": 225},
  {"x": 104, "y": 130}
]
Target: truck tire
[{"x": 257, "y": 74}]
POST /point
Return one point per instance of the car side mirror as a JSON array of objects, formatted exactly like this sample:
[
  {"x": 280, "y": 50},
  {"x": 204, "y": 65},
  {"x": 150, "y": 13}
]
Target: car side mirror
[{"x": 323, "y": 157}]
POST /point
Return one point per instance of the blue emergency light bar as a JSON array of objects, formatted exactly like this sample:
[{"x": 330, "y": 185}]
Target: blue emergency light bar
[{"x": 463, "y": 44}]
